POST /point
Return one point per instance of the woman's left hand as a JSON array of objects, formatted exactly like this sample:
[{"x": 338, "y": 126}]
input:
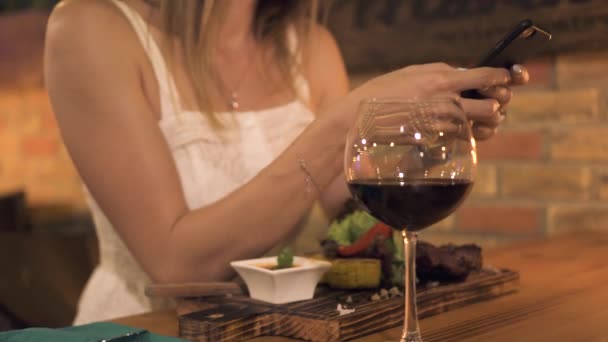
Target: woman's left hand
[{"x": 487, "y": 114}]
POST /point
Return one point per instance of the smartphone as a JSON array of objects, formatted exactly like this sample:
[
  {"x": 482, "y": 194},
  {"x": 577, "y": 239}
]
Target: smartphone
[{"x": 525, "y": 40}]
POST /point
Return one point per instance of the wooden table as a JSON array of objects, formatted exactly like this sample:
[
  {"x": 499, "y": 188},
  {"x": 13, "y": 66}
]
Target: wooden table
[{"x": 563, "y": 297}]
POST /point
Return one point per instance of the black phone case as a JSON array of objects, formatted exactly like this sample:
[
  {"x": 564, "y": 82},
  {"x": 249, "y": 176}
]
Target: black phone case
[
  {"x": 512, "y": 49},
  {"x": 492, "y": 58}
]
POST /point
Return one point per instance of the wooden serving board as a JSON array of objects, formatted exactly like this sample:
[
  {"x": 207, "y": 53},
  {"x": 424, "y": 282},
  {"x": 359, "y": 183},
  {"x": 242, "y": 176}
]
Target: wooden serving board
[{"x": 237, "y": 318}]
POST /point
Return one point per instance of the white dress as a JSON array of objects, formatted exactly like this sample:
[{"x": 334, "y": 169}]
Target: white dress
[{"x": 210, "y": 163}]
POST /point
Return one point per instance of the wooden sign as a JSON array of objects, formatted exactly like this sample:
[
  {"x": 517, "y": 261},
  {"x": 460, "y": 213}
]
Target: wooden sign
[{"x": 386, "y": 34}]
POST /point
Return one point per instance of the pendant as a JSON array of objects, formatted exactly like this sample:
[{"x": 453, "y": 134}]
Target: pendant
[{"x": 234, "y": 102}]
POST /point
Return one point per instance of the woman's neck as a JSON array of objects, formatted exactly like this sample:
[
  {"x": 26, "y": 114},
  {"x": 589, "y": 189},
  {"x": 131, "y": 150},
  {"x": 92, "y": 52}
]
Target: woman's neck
[{"x": 236, "y": 30}]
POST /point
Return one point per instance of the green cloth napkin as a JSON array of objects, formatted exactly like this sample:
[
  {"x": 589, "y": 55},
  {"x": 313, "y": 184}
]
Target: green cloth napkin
[{"x": 93, "y": 332}]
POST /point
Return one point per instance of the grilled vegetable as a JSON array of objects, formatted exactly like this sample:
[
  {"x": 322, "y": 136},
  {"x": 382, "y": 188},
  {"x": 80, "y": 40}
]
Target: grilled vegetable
[
  {"x": 354, "y": 273},
  {"x": 366, "y": 241}
]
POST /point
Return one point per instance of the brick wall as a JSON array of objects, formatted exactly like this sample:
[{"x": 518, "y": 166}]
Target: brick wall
[
  {"x": 546, "y": 171},
  {"x": 32, "y": 155}
]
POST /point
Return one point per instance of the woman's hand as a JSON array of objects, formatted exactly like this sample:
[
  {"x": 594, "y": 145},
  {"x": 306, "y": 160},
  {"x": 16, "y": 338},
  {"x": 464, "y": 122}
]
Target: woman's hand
[
  {"x": 438, "y": 79},
  {"x": 485, "y": 123}
]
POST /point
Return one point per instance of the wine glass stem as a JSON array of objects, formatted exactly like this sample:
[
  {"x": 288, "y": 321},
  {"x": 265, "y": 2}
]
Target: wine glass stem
[{"x": 411, "y": 330}]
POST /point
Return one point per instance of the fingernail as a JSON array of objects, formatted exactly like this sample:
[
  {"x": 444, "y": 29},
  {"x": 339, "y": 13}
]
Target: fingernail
[
  {"x": 495, "y": 107},
  {"x": 517, "y": 69}
]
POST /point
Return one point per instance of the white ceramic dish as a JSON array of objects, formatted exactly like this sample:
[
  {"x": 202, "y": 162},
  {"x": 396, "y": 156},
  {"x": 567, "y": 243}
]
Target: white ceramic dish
[{"x": 281, "y": 286}]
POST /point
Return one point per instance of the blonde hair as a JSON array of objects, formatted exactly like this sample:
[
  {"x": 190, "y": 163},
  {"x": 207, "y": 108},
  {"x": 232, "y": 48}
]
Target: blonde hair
[{"x": 194, "y": 25}]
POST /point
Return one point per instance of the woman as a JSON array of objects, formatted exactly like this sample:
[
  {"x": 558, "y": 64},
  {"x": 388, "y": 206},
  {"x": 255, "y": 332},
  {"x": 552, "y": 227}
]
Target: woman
[{"x": 194, "y": 156}]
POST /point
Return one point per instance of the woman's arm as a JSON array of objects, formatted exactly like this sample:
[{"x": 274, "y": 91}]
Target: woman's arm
[
  {"x": 328, "y": 83},
  {"x": 112, "y": 134},
  {"x": 92, "y": 69}
]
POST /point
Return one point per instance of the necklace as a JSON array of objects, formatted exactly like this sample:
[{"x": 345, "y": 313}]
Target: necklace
[{"x": 232, "y": 95}]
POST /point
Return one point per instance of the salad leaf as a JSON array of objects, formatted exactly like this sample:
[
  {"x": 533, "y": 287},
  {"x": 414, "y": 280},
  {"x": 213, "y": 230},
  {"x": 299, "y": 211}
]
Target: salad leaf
[
  {"x": 354, "y": 225},
  {"x": 360, "y": 222},
  {"x": 339, "y": 232},
  {"x": 351, "y": 228},
  {"x": 398, "y": 245}
]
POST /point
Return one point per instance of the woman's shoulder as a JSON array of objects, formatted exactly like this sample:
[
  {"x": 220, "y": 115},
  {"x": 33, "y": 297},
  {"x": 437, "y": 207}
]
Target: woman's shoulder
[
  {"x": 97, "y": 21},
  {"x": 321, "y": 37},
  {"x": 89, "y": 33},
  {"x": 324, "y": 66},
  {"x": 86, "y": 40},
  {"x": 88, "y": 13},
  {"x": 318, "y": 39}
]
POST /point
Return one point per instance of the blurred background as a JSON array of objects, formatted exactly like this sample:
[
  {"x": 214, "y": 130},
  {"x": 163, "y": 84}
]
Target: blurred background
[{"x": 546, "y": 172}]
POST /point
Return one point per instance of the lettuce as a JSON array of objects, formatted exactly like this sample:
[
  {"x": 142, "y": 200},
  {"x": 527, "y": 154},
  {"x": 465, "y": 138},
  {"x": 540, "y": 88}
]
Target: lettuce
[{"x": 353, "y": 226}]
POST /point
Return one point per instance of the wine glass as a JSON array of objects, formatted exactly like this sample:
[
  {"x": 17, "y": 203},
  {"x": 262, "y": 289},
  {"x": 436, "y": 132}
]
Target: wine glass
[{"x": 410, "y": 163}]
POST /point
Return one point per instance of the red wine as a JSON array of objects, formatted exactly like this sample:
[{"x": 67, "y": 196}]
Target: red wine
[{"x": 410, "y": 204}]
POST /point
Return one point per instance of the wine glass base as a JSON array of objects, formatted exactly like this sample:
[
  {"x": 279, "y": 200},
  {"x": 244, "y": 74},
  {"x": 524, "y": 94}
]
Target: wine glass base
[{"x": 411, "y": 337}]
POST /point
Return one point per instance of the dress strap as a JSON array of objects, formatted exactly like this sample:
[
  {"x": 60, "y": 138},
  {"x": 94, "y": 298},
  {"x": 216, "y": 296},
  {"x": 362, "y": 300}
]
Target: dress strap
[{"x": 169, "y": 98}]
